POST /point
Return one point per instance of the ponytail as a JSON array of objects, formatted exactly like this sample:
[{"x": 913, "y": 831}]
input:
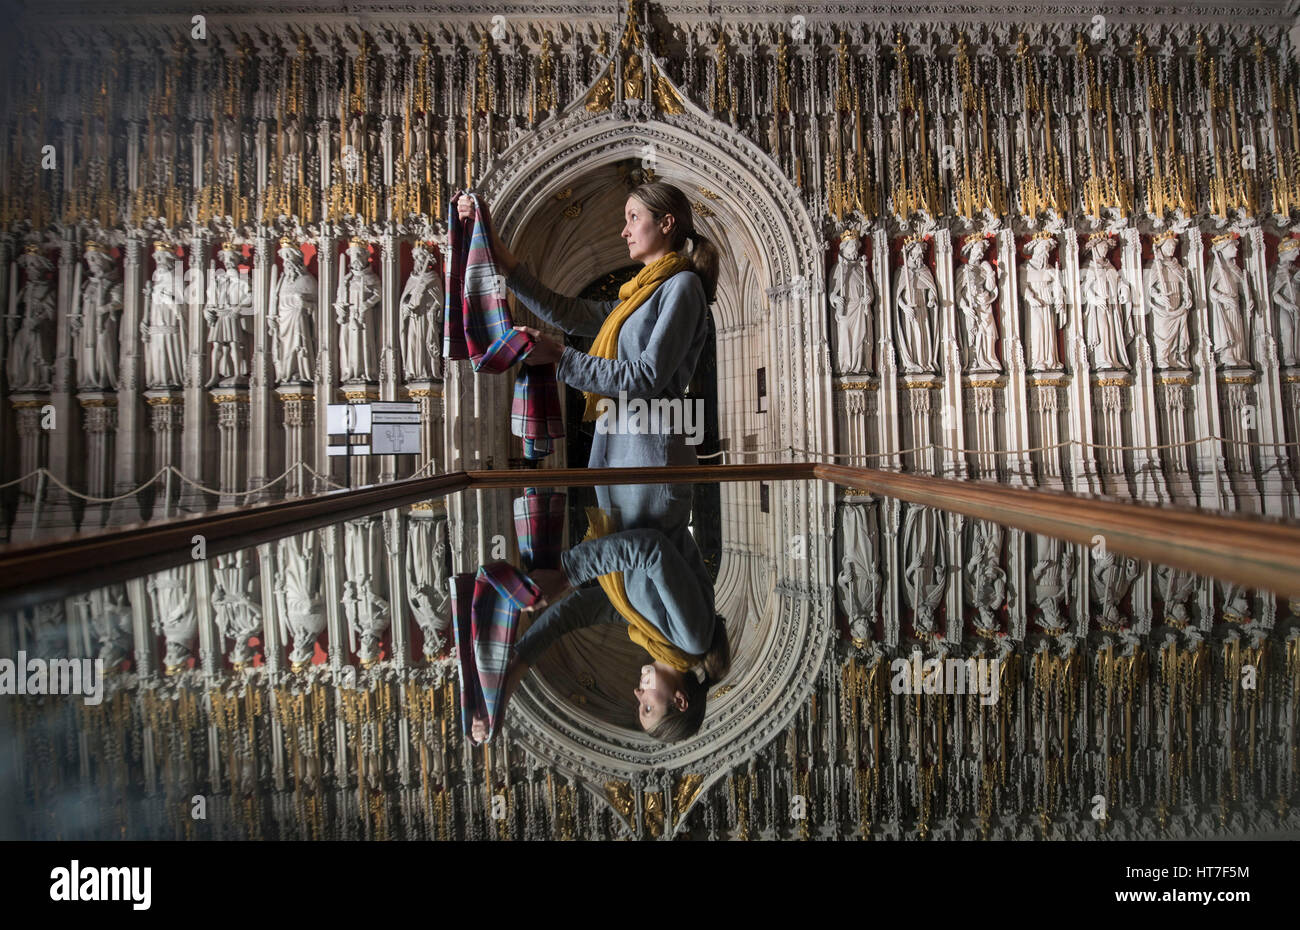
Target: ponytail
[{"x": 677, "y": 725}]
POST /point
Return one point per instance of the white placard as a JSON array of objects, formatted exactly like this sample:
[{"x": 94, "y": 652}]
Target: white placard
[{"x": 396, "y": 439}]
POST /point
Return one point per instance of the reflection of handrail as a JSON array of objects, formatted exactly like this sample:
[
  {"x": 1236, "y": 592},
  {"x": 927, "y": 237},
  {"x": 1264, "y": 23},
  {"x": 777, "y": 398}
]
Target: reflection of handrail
[
  {"x": 1243, "y": 548},
  {"x": 1236, "y": 547}
]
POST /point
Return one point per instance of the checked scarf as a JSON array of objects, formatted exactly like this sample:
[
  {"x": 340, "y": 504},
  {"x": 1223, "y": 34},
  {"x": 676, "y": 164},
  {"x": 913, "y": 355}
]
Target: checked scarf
[
  {"x": 485, "y": 607},
  {"x": 477, "y": 326}
]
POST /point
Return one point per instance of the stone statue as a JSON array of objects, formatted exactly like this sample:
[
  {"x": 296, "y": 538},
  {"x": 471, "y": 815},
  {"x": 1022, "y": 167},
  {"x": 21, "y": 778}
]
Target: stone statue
[
  {"x": 1229, "y": 290},
  {"x": 858, "y": 581},
  {"x": 237, "y": 615},
  {"x": 1112, "y": 576},
  {"x": 1107, "y": 307},
  {"x": 1045, "y": 301},
  {"x": 426, "y": 582},
  {"x": 367, "y": 613},
  {"x": 421, "y": 308},
  {"x": 986, "y": 581},
  {"x": 163, "y": 329},
  {"x": 1053, "y": 575},
  {"x": 31, "y": 324},
  {"x": 1236, "y": 602},
  {"x": 853, "y": 301},
  {"x": 634, "y": 78},
  {"x": 96, "y": 308},
  {"x": 112, "y": 621},
  {"x": 925, "y": 572},
  {"x": 292, "y": 317},
  {"x": 1170, "y": 298},
  {"x": 228, "y": 306},
  {"x": 1286, "y": 298},
  {"x": 977, "y": 292},
  {"x": 174, "y": 616},
  {"x": 358, "y": 293},
  {"x": 1175, "y": 587},
  {"x": 298, "y": 585},
  {"x": 916, "y": 297}
]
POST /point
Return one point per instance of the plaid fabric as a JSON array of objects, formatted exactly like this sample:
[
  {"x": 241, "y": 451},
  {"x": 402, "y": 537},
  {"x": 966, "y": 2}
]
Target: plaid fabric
[
  {"x": 477, "y": 326},
  {"x": 485, "y": 622},
  {"x": 539, "y": 525}
]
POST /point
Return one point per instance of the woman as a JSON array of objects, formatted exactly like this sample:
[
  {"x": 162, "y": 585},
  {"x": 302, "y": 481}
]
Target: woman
[
  {"x": 655, "y": 582},
  {"x": 648, "y": 341}
]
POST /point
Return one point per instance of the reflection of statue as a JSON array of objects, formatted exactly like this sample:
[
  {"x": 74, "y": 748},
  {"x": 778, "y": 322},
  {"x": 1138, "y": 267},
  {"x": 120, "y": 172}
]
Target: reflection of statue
[
  {"x": 858, "y": 580},
  {"x": 421, "y": 307},
  {"x": 1229, "y": 289},
  {"x": 1046, "y": 304},
  {"x": 236, "y": 615},
  {"x": 97, "y": 305},
  {"x": 174, "y": 615},
  {"x": 298, "y": 588},
  {"x": 426, "y": 581},
  {"x": 111, "y": 620},
  {"x": 1286, "y": 297},
  {"x": 1236, "y": 602},
  {"x": 977, "y": 289},
  {"x": 852, "y": 298},
  {"x": 1175, "y": 587},
  {"x": 358, "y": 293},
  {"x": 31, "y": 313},
  {"x": 367, "y": 613},
  {"x": 292, "y": 317},
  {"x": 1053, "y": 584},
  {"x": 228, "y": 306},
  {"x": 163, "y": 329},
  {"x": 1107, "y": 307},
  {"x": 1111, "y": 579},
  {"x": 1170, "y": 297},
  {"x": 917, "y": 298},
  {"x": 986, "y": 582},
  {"x": 925, "y": 572}
]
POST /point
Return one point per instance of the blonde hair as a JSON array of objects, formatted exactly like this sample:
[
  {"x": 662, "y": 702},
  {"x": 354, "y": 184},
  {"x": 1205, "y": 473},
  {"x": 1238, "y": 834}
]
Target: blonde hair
[{"x": 664, "y": 199}]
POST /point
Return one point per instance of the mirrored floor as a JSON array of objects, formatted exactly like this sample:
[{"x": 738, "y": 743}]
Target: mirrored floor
[{"x": 894, "y": 671}]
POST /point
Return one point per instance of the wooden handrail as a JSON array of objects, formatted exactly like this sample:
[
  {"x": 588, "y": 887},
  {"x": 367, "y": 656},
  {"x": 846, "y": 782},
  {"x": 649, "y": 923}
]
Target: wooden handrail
[{"x": 1249, "y": 550}]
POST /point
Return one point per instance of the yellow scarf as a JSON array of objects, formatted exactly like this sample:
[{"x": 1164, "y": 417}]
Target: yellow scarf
[
  {"x": 640, "y": 630},
  {"x": 633, "y": 294}
]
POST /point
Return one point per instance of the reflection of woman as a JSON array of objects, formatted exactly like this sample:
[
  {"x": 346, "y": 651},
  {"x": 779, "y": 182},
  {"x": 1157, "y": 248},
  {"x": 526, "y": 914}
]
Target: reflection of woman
[
  {"x": 654, "y": 581},
  {"x": 648, "y": 341}
]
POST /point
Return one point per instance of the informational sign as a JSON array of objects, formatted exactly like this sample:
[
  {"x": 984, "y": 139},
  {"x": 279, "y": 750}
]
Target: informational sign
[
  {"x": 395, "y": 438},
  {"x": 380, "y": 428}
]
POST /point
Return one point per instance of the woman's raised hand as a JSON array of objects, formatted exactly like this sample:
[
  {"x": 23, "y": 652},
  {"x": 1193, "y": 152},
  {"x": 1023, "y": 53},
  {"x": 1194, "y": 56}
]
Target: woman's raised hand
[
  {"x": 478, "y": 730},
  {"x": 554, "y": 585},
  {"x": 545, "y": 349},
  {"x": 465, "y": 207}
]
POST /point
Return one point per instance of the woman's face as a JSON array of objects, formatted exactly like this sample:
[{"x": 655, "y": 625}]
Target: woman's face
[
  {"x": 647, "y": 240},
  {"x": 656, "y": 691}
]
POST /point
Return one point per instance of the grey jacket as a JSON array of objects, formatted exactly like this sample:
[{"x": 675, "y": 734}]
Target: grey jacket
[
  {"x": 670, "y": 589},
  {"x": 658, "y": 347}
]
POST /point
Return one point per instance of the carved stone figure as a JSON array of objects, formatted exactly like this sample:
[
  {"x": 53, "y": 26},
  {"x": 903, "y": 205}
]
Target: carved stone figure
[
  {"x": 426, "y": 582},
  {"x": 237, "y": 615},
  {"x": 163, "y": 329},
  {"x": 1231, "y": 304},
  {"x": 30, "y": 324},
  {"x": 111, "y": 620},
  {"x": 1053, "y": 585},
  {"x": 1286, "y": 298},
  {"x": 917, "y": 298},
  {"x": 853, "y": 301},
  {"x": 1175, "y": 588},
  {"x": 421, "y": 309},
  {"x": 985, "y": 580},
  {"x": 977, "y": 293},
  {"x": 1107, "y": 308},
  {"x": 229, "y": 305},
  {"x": 367, "y": 613},
  {"x": 358, "y": 293},
  {"x": 97, "y": 306},
  {"x": 925, "y": 560},
  {"x": 858, "y": 581},
  {"x": 174, "y": 616},
  {"x": 1045, "y": 304},
  {"x": 298, "y": 590},
  {"x": 1236, "y": 602},
  {"x": 292, "y": 317},
  {"x": 1112, "y": 576},
  {"x": 1169, "y": 296}
]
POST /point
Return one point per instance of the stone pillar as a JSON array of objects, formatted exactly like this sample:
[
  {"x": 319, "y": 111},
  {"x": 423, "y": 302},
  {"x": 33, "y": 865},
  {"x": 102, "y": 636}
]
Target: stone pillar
[
  {"x": 59, "y": 510},
  {"x": 1211, "y": 467},
  {"x": 952, "y": 427},
  {"x": 428, "y": 394},
  {"x": 1045, "y": 409},
  {"x": 1275, "y": 477},
  {"x": 232, "y": 424},
  {"x": 983, "y": 398},
  {"x": 390, "y": 327},
  {"x": 264, "y": 463},
  {"x": 129, "y": 450},
  {"x": 855, "y": 413},
  {"x": 1019, "y": 468},
  {"x": 166, "y": 420},
  {"x": 1083, "y": 465},
  {"x": 887, "y": 417},
  {"x": 298, "y": 404},
  {"x": 1149, "y": 484},
  {"x": 326, "y": 260},
  {"x": 194, "y": 444},
  {"x": 1173, "y": 395},
  {"x": 100, "y": 415},
  {"x": 33, "y": 448},
  {"x": 8, "y": 425}
]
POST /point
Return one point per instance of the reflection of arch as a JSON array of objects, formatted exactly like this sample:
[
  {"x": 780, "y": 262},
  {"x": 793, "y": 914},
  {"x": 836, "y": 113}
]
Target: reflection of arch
[{"x": 769, "y": 243}]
